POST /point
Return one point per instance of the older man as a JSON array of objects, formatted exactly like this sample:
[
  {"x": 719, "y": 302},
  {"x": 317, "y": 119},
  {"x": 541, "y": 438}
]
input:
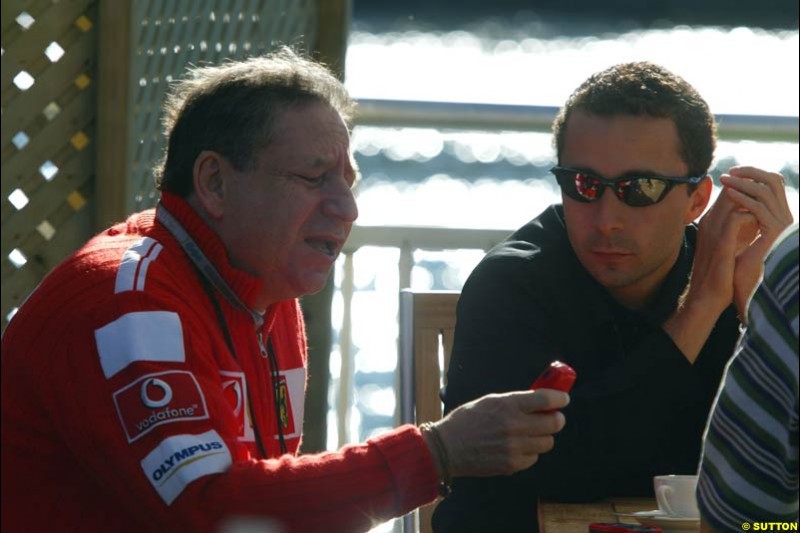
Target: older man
[
  {"x": 154, "y": 381},
  {"x": 602, "y": 283}
]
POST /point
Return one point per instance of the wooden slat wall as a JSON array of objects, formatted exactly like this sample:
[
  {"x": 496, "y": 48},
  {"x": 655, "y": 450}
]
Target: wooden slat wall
[{"x": 56, "y": 117}]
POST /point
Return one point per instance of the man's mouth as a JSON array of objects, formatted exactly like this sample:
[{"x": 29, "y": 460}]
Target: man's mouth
[
  {"x": 325, "y": 246},
  {"x": 610, "y": 253},
  {"x": 610, "y": 256}
]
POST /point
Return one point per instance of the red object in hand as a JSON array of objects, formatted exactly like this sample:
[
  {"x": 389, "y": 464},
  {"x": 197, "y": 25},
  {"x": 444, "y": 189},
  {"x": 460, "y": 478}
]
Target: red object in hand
[{"x": 558, "y": 376}]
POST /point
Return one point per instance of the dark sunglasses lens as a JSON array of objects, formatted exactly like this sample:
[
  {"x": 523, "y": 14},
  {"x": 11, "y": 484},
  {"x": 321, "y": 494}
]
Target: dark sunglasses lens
[
  {"x": 577, "y": 185},
  {"x": 644, "y": 191},
  {"x": 588, "y": 187}
]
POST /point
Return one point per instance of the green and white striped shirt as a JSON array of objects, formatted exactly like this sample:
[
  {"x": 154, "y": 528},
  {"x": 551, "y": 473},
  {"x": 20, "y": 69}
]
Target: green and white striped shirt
[{"x": 749, "y": 468}]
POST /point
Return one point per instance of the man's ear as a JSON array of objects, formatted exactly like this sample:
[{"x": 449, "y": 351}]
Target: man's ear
[
  {"x": 208, "y": 183},
  {"x": 698, "y": 200}
]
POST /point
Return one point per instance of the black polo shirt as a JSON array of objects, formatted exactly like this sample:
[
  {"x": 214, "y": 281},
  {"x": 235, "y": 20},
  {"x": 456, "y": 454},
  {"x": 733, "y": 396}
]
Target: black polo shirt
[{"x": 638, "y": 407}]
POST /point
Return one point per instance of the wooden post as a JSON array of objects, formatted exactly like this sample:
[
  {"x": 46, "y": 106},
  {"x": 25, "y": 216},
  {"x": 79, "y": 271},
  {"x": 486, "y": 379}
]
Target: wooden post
[
  {"x": 332, "y": 31},
  {"x": 113, "y": 108},
  {"x": 330, "y": 48},
  {"x": 317, "y": 312}
]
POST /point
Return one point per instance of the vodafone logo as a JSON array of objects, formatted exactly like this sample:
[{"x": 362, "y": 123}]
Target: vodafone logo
[
  {"x": 156, "y": 399},
  {"x": 158, "y": 385}
]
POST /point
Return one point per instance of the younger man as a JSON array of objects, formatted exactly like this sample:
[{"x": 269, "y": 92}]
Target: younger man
[{"x": 602, "y": 283}]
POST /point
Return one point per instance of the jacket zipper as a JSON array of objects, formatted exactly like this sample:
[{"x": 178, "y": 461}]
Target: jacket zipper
[{"x": 262, "y": 348}]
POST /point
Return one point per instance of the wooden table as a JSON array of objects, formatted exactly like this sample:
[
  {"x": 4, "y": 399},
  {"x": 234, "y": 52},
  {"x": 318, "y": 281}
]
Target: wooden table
[{"x": 555, "y": 517}]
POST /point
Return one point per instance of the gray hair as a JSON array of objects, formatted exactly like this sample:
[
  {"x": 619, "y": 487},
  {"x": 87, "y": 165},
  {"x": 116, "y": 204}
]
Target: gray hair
[{"x": 231, "y": 109}]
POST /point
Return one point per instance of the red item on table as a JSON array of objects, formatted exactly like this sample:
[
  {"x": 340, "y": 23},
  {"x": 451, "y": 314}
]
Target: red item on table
[{"x": 618, "y": 527}]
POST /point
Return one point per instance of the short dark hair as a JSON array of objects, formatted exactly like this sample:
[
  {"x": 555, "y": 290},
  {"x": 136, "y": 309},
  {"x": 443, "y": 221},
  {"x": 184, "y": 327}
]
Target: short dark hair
[
  {"x": 231, "y": 109},
  {"x": 644, "y": 88}
]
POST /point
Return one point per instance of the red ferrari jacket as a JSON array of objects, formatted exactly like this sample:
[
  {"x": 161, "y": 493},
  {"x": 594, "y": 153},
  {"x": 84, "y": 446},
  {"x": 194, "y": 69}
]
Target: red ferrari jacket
[{"x": 136, "y": 396}]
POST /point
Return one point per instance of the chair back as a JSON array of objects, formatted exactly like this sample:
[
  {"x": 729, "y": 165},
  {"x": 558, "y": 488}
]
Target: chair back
[{"x": 427, "y": 324}]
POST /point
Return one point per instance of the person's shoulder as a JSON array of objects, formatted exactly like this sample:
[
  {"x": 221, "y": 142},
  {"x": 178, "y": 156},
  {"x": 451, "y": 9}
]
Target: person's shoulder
[
  {"x": 539, "y": 242},
  {"x": 786, "y": 246},
  {"x": 125, "y": 256},
  {"x": 97, "y": 284},
  {"x": 782, "y": 260},
  {"x": 782, "y": 265},
  {"x": 529, "y": 260},
  {"x": 100, "y": 276}
]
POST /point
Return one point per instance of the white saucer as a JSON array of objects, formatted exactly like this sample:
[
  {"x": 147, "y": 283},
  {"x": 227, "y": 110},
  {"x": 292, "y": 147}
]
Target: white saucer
[{"x": 666, "y": 522}]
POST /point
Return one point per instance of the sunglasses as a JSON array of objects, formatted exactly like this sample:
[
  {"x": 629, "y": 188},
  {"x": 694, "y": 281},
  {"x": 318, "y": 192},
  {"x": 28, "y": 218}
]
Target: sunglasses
[{"x": 636, "y": 190}]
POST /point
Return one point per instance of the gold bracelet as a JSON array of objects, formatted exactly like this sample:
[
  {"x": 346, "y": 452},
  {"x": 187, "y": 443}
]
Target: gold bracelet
[{"x": 440, "y": 455}]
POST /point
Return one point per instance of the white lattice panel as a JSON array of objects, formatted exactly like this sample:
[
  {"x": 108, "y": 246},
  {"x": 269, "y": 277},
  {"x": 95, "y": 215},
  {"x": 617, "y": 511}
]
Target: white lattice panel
[{"x": 48, "y": 111}]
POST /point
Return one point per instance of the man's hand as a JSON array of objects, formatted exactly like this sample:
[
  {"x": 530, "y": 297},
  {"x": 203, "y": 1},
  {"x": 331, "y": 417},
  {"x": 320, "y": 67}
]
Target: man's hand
[
  {"x": 724, "y": 232},
  {"x": 763, "y": 195},
  {"x": 501, "y": 433},
  {"x": 732, "y": 241}
]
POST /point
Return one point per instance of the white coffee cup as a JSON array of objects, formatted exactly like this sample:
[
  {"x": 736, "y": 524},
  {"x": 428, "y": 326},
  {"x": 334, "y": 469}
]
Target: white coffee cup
[{"x": 676, "y": 495}]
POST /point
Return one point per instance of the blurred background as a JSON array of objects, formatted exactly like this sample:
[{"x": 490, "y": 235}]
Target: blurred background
[{"x": 452, "y": 137}]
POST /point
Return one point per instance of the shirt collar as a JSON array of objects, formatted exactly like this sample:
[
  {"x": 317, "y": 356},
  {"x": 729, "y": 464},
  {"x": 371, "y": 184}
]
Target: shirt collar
[{"x": 246, "y": 286}]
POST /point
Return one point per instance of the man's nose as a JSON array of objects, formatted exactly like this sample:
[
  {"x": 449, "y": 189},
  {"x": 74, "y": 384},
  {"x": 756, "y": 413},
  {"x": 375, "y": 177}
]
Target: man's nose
[
  {"x": 609, "y": 212},
  {"x": 341, "y": 203}
]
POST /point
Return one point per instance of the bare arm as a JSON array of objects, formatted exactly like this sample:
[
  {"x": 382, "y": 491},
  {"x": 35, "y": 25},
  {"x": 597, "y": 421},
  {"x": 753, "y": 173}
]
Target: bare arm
[
  {"x": 733, "y": 240},
  {"x": 763, "y": 194},
  {"x": 723, "y": 230}
]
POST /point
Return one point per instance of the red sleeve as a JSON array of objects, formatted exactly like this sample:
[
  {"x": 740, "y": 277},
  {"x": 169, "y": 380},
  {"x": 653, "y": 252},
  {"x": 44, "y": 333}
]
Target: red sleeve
[
  {"x": 185, "y": 469},
  {"x": 349, "y": 490}
]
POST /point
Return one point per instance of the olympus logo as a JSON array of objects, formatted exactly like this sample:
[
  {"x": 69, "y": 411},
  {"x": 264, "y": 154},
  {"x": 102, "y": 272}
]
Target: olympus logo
[
  {"x": 178, "y": 460},
  {"x": 183, "y": 455},
  {"x": 155, "y": 383}
]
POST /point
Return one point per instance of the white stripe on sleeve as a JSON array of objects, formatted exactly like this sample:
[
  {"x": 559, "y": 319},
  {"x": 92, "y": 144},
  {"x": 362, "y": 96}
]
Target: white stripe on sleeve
[
  {"x": 140, "y": 336},
  {"x": 132, "y": 270}
]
